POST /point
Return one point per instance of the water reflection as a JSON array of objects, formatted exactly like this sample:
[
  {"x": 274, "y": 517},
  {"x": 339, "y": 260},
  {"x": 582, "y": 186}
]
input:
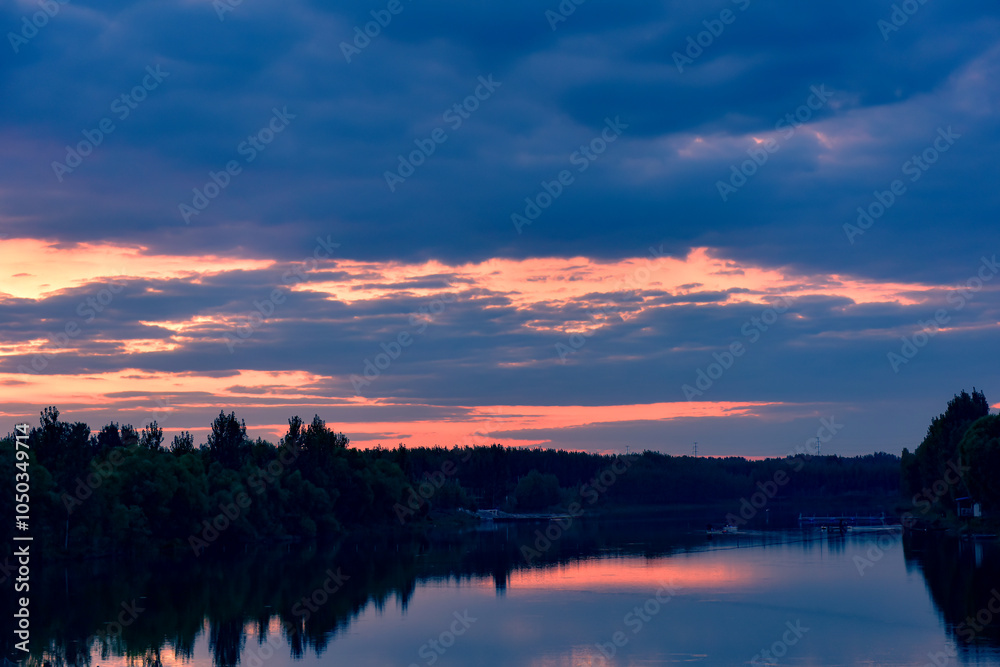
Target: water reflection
[
  {"x": 963, "y": 578},
  {"x": 307, "y": 597}
]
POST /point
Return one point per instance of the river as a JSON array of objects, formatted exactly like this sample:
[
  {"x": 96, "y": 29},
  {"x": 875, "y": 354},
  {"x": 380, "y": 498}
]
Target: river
[{"x": 616, "y": 593}]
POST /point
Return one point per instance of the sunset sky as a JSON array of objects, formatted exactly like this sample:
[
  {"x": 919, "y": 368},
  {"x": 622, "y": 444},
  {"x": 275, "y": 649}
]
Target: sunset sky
[{"x": 526, "y": 225}]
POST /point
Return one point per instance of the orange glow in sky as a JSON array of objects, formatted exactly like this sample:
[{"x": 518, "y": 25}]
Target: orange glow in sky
[
  {"x": 33, "y": 267},
  {"x": 39, "y": 269}
]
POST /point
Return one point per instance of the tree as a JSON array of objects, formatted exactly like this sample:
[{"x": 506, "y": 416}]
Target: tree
[
  {"x": 227, "y": 443},
  {"x": 152, "y": 437},
  {"x": 939, "y": 448},
  {"x": 130, "y": 437},
  {"x": 536, "y": 491},
  {"x": 295, "y": 437},
  {"x": 182, "y": 443},
  {"x": 322, "y": 441},
  {"x": 910, "y": 479},
  {"x": 108, "y": 438},
  {"x": 980, "y": 451},
  {"x": 62, "y": 448}
]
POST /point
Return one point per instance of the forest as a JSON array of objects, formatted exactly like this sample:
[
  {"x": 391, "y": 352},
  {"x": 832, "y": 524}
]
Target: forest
[{"x": 120, "y": 490}]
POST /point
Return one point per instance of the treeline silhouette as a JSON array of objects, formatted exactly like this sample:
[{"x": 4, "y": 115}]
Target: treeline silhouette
[
  {"x": 958, "y": 458},
  {"x": 120, "y": 490}
]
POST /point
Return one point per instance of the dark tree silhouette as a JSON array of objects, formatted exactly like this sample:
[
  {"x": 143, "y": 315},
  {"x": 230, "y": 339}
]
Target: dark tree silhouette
[
  {"x": 227, "y": 443},
  {"x": 152, "y": 437}
]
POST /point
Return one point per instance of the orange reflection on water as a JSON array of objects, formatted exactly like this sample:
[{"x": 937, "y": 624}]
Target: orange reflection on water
[{"x": 680, "y": 572}]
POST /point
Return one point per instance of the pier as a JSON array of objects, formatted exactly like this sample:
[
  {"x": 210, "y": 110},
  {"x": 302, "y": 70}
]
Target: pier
[{"x": 847, "y": 520}]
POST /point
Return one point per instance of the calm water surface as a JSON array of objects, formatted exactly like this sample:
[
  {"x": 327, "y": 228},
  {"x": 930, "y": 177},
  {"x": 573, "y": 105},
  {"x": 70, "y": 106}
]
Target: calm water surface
[{"x": 618, "y": 595}]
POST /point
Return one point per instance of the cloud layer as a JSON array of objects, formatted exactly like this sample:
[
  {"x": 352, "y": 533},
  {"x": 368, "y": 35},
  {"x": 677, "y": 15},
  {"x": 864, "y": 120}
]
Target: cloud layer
[{"x": 447, "y": 193}]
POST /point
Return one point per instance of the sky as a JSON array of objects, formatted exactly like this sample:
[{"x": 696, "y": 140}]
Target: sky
[{"x": 585, "y": 225}]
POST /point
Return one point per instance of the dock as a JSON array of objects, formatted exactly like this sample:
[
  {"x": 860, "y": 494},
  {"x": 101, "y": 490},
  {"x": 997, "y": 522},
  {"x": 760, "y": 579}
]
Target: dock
[
  {"x": 847, "y": 520},
  {"x": 500, "y": 516}
]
